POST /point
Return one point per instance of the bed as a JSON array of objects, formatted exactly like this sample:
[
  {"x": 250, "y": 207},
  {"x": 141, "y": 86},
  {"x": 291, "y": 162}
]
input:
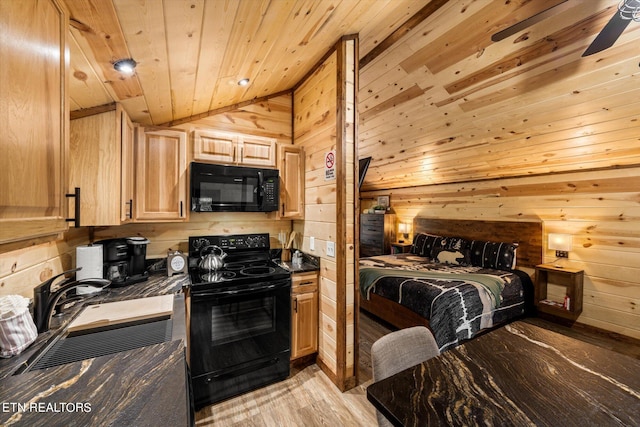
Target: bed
[{"x": 461, "y": 277}]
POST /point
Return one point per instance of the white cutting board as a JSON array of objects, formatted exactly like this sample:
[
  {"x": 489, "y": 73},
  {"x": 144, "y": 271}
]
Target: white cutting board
[{"x": 117, "y": 312}]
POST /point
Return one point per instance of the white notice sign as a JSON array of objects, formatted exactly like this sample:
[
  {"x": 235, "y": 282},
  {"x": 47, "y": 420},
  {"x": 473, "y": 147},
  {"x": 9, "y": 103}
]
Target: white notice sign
[{"x": 330, "y": 165}]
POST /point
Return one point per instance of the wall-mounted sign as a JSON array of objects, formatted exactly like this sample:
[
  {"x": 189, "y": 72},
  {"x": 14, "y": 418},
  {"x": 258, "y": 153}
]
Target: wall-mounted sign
[{"x": 330, "y": 165}]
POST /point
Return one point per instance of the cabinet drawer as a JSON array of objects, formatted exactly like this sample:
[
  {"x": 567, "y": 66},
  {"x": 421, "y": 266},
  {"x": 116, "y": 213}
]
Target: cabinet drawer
[
  {"x": 304, "y": 282},
  {"x": 371, "y": 239},
  {"x": 365, "y": 229},
  {"x": 372, "y": 220}
]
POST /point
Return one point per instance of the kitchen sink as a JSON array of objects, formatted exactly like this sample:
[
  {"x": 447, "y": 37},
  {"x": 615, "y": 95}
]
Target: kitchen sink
[
  {"x": 75, "y": 347},
  {"x": 101, "y": 338}
]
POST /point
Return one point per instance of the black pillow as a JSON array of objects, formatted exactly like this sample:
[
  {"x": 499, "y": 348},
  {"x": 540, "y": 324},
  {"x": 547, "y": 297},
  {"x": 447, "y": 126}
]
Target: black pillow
[
  {"x": 498, "y": 255},
  {"x": 423, "y": 244}
]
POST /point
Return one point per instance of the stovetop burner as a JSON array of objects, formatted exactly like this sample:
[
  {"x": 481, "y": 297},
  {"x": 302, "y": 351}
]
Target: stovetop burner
[
  {"x": 216, "y": 276},
  {"x": 257, "y": 271}
]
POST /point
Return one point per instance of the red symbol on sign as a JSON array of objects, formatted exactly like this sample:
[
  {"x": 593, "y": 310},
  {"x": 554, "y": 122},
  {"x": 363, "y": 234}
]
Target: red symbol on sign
[{"x": 329, "y": 160}]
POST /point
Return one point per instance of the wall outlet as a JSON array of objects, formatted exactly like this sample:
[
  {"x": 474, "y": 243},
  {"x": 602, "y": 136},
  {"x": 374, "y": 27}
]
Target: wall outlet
[
  {"x": 331, "y": 249},
  {"x": 312, "y": 243}
]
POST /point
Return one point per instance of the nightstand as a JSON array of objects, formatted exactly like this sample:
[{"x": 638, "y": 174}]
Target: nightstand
[
  {"x": 400, "y": 248},
  {"x": 570, "y": 278}
]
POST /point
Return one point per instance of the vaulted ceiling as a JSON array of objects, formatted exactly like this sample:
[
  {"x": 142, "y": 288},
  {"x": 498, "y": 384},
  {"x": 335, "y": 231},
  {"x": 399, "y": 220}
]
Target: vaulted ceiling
[
  {"x": 449, "y": 102},
  {"x": 192, "y": 53},
  {"x": 445, "y": 101}
]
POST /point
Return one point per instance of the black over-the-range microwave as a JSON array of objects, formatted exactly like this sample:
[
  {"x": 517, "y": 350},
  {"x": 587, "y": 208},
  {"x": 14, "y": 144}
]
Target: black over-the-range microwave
[{"x": 220, "y": 188}]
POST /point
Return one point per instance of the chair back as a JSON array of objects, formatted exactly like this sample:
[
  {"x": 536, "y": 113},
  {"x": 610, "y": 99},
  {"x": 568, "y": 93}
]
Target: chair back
[{"x": 398, "y": 351}]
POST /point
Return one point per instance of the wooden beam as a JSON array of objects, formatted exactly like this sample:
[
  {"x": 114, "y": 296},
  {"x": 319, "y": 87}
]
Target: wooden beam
[
  {"x": 86, "y": 112},
  {"x": 224, "y": 109}
]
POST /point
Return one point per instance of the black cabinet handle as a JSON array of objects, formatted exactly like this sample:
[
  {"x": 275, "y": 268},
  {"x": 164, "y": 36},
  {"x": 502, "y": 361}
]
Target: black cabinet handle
[
  {"x": 75, "y": 195},
  {"x": 283, "y": 209},
  {"x": 130, "y": 203},
  {"x": 180, "y": 208},
  {"x": 295, "y": 305}
]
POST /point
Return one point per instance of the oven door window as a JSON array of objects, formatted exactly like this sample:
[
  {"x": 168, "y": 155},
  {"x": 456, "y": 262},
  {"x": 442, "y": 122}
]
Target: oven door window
[
  {"x": 232, "y": 329},
  {"x": 241, "y": 320}
]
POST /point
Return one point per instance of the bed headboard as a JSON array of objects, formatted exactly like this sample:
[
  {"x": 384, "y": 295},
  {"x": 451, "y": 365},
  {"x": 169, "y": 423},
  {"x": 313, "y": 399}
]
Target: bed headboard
[{"x": 528, "y": 234}]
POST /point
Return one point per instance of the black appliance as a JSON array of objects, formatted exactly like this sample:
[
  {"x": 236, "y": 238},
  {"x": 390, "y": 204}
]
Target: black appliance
[
  {"x": 240, "y": 318},
  {"x": 220, "y": 188},
  {"x": 124, "y": 260}
]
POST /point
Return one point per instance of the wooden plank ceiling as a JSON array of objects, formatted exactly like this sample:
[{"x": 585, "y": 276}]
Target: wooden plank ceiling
[
  {"x": 192, "y": 53},
  {"x": 447, "y": 104}
]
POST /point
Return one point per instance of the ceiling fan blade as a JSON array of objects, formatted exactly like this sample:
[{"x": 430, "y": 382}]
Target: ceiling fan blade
[{"x": 608, "y": 35}]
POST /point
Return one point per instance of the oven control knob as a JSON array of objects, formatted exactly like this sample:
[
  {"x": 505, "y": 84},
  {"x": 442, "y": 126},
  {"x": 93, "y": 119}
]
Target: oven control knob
[{"x": 201, "y": 243}]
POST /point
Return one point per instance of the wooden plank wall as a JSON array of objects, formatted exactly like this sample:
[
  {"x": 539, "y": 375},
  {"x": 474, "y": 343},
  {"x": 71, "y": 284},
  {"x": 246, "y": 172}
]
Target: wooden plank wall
[
  {"x": 324, "y": 121},
  {"x": 315, "y": 130},
  {"x": 600, "y": 210},
  {"x": 26, "y": 266}
]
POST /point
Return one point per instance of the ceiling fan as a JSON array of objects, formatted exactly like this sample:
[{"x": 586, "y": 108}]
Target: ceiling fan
[{"x": 628, "y": 10}]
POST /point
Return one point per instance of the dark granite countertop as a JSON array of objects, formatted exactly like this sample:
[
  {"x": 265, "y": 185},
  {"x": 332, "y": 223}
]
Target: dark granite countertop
[
  {"x": 145, "y": 386},
  {"x": 517, "y": 375},
  {"x": 309, "y": 263}
]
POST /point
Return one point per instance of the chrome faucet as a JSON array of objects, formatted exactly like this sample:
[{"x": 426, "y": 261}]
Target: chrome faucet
[{"x": 44, "y": 301}]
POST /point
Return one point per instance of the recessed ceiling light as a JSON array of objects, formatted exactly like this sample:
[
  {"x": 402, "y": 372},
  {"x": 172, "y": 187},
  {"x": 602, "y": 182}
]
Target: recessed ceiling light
[
  {"x": 126, "y": 66},
  {"x": 243, "y": 82}
]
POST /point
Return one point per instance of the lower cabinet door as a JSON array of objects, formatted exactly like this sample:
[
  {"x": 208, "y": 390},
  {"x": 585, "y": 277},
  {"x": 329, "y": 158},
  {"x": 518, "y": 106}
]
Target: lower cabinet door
[{"x": 304, "y": 338}]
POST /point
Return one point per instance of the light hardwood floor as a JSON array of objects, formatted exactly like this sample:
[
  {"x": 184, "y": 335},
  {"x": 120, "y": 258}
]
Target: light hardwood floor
[{"x": 308, "y": 398}]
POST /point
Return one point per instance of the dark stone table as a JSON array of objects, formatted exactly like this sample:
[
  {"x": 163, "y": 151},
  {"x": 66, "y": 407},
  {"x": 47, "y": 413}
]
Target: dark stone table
[{"x": 517, "y": 375}]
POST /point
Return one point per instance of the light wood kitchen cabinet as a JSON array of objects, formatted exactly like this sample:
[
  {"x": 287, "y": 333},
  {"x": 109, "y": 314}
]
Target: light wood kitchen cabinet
[
  {"x": 33, "y": 102},
  {"x": 127, "y": 189},
  {"x": 304, "y": 311},
  {"x": 291, "y": 166},
  {"x": 101, "y": 166},
  {"x": 161, "y": 168},
  {"x": 233, "y": 149}
]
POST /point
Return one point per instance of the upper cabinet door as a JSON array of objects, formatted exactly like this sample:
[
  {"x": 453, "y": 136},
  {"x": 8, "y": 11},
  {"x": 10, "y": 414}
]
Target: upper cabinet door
[
  {"x": 127, "y": 179},
  {"x": 291, "y": 166},
  {"x": 33, "y": 106},
  {"x": 95, "y": 166},
  {"x": 214, "y": 147},
  {"x": 234, "y": 149},
  {"x": 257, "y": 151},
  {"x": 161, "y": 168}
]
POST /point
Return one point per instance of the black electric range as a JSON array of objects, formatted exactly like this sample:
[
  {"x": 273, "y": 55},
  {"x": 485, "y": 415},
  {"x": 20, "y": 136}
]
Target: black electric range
[{"x": 240, "y": 325}]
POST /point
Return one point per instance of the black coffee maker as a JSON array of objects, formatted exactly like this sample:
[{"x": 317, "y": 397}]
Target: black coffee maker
[{"x": 124, "y": 260}]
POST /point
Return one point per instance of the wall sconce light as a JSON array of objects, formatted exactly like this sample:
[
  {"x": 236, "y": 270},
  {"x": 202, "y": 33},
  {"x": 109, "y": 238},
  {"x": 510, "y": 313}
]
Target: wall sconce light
[
  {"x": 125, "y": 66},
  {"x": 561, "y": 243},
  {"x": 404, "y": 229}
]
